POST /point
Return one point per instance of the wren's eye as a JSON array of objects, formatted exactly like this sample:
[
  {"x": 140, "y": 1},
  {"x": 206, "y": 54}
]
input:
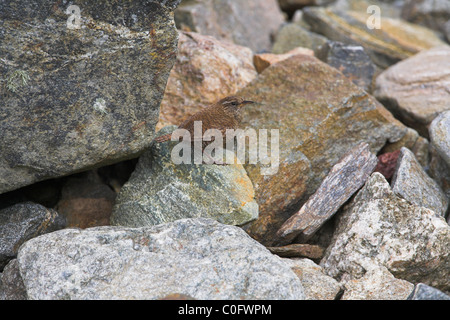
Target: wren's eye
[{"x": 234, "y": 103}]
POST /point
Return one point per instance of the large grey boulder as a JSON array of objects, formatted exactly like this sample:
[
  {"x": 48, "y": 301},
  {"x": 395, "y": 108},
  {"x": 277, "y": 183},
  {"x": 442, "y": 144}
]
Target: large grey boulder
[
  {"x": 200, "y": 258},
  {"x": 79, "y": 89},
  {"x": 412, "y": 183}
]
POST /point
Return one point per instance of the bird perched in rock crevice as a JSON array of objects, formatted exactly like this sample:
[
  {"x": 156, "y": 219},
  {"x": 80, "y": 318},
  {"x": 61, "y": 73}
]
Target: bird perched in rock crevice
[{"x": 222, "y": 115}]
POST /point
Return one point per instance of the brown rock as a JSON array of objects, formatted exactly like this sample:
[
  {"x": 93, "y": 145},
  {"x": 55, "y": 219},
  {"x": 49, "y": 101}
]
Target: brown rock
[
  {"x": 320, "y": 115},
  {"x": 177, "y": 296},
  {"x": 86, "y": 201},
  {"x": 264, "y": 60},
  {"x": 206, "y": 70},
  {"x": 344, "y": 179},
  {"x": 416, "y": 90},
  {"x": 298, "y": 250},
  {"x": 249, "y": 23},
  {"x": 387, "y": 163}
]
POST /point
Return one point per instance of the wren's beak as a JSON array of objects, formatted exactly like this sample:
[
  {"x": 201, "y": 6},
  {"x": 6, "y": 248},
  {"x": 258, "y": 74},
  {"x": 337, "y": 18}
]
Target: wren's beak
[{"x": 247, "y": 102}]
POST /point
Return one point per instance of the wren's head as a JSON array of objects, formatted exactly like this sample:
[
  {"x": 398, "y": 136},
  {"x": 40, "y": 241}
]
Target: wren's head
[{"x": 234, "y": 104}]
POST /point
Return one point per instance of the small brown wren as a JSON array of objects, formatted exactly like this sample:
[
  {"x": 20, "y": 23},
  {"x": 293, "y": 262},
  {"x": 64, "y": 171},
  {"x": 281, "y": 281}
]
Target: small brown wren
[{"x": 222, "y": 115}]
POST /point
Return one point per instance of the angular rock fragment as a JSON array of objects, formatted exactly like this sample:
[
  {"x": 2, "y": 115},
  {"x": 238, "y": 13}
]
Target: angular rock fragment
[
  {"x": 378, "y": 228},
  {"x": 298, "y": 250},
  {"x": 344, "y": 179},
  {"x": 377, "y": 284},
  {"x": 351, "y": 60},
  {"x": 424, "y": 292},
  {"x": 316, "y": 284},
  {"x": 21, "y": 222},
  {"x": 412, "y": 183},
  {"x": 264, "y": 60},
  {"x": 440, "y": 135}
]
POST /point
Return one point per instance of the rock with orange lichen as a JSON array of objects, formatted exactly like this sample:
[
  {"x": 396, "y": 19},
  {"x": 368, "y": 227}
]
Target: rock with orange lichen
[
  {"x": 319, "y": 114},
  {"x": 161, "y": 191}
]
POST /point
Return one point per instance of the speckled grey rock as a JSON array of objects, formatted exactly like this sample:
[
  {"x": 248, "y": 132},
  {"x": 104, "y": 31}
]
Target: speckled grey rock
[
  {"x": 440, "y": 135},
  {"x": 424, "y": 292},
  {"x": 316, "y": 284},
  {"x": 160, "y": 191},
  {"x": 377, "y": 284},
  {"x": 200, "y": 258},
  {"x": 93, "y": 93},
  {"x": 378, "y": 228},
  {"x": 24, "y": 221},
  {"x": 412, "y": 183}
]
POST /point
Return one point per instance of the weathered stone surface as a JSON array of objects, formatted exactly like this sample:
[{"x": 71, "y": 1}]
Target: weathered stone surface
[
  {"x": 380, "y": 229},
  {"x": 320, "y": 115},
  {"x": 440, "y": 135},
  {"x": 377, "y": 284},
  {"x": 388, "y": 8},
  {"x": 387, "y": 162},
  {"x": 298, "y": 250},
  {"x": 264, "y": 60},
  {"x": 351, "y": 60},
  {"x": 430, "y": 13},
  {"x": 200, "y": 258},
  {"x": 293, "y": 35},
  {"x": 439, "y": 171},
  {"x": 11, "y": 284},
  {"x": 416, "y": 90},
  {"x": 93, "y": 93},
  {"x": 447, "y": 30},
  {"x": 316, "y": 284},
  {"x": 424, "y": 292},
  {"x": 346, "y": 177},
  {"x": 412, "y": 183},
  {"x": 24, "y": 221},
  {"x": 249, "y": 23},
  {"x": 86, "y": 201},
  {"x": 160, "y": 191},
  {"x": 395, "y": 40},
  {"x": 205, "y": 71}
]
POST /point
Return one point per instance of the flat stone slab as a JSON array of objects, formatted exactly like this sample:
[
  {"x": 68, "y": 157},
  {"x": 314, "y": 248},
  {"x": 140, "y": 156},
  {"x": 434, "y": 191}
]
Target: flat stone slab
[{"x": 344, "y": 179}]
